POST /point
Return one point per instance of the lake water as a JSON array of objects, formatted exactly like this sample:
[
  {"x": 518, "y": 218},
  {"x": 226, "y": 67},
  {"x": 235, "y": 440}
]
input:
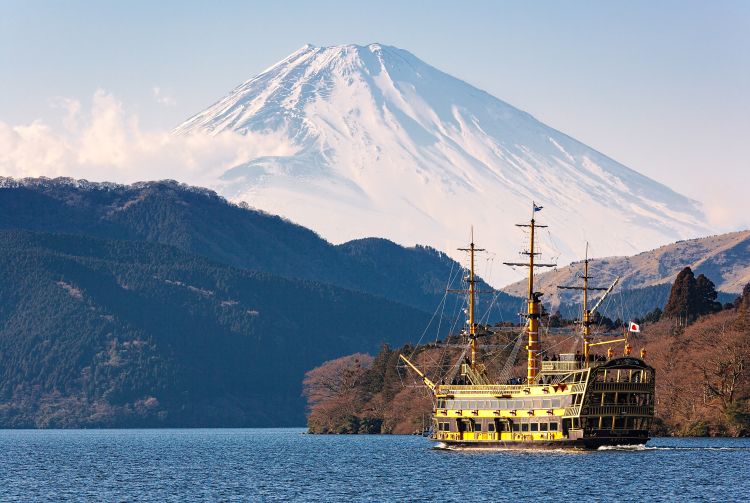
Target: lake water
[{"x": 286, "y": 464}]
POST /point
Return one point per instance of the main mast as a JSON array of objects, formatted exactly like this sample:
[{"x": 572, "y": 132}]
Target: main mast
[{"x": 533, "y": 299}]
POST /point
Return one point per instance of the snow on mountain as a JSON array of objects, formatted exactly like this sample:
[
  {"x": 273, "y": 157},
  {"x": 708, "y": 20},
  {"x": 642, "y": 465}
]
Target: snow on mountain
[{"x": 383, "y": 144}]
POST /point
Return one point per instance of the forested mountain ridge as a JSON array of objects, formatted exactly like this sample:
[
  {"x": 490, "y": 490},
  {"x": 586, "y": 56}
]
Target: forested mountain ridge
[
  {"x": 201, "y": 222},
  {"x": 114, "y": 333}
]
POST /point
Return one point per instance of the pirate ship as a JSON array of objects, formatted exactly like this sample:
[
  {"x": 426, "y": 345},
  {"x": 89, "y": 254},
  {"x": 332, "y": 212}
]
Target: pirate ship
[{"x": 579, "y": 400}]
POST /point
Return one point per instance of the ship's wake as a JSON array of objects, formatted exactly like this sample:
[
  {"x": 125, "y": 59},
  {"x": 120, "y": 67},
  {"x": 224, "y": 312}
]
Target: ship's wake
[{"x": 641, "y": 447}]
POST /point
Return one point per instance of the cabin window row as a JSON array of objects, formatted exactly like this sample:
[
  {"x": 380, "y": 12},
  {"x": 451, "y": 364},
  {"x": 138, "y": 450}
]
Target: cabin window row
[
  {"x": 535, "y": 426},
  {"x": 526, "y": 403},
  {"x": 492, "y": 426}
]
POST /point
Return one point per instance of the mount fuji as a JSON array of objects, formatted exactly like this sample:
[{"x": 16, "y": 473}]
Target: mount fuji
[{"x": 377, "y": 142}]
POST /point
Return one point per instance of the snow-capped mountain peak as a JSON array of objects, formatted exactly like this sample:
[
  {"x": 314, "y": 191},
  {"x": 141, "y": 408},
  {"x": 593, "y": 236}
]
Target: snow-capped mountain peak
[{"x": 385, "y": 144}]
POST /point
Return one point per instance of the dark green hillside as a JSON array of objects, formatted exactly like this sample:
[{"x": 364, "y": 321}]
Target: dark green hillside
[
  {"x": 123, "y": 333},
  {"x": 201, "y": 222}
]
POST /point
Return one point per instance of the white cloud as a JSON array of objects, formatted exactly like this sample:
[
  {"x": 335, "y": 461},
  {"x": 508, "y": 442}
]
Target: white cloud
[
  {"x": 162, "y": 98},
  {"x": 72, "y": 112},
  {"x": 106, "y": 143}
]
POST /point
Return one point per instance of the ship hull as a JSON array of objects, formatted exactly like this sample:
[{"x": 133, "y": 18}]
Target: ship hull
[{"x": 577, "y": 444}]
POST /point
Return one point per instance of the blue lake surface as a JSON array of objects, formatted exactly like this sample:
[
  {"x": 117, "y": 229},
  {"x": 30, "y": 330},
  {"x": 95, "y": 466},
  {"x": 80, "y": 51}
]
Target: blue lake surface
[{"x": 288, "y": 465}]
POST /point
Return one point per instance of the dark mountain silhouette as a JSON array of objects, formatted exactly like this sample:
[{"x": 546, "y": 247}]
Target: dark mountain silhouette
[
  {"x": 124, "y": 333},
  {"x": 159, "y": 304}
]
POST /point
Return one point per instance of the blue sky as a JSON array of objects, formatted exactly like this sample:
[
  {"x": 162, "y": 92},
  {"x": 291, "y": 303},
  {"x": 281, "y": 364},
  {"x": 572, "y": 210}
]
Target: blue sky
[{"x": 660, "y": 86}]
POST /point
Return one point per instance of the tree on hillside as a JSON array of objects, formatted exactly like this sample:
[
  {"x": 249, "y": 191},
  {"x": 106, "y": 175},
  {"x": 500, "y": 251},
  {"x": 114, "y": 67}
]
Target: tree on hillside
[
  {"x": 691, "y": 297},
  {"x": 705, "y": 296},
  {"x": 653, "y": 316},
  {"x": 742, "y": 304},
  {"x": 681, "y": 296},
  {"x": 745, "y": 299},
  {"x": 335, "y": 377},
  {"x": 333, "y": 394}
]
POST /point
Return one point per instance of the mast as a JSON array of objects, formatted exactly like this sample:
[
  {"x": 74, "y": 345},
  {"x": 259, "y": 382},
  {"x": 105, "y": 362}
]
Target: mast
[
  {"x": 533, "y": 300},
  {"x": 586, "y": 314},
  {"x": 472, "y": 300},
  {"x": 586, "y": 318}
]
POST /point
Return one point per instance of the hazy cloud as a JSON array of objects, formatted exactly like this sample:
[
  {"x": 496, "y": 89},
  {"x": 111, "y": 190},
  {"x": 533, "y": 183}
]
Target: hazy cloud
[
  {"x": 106, "y": 143},
  {"x": 162, "y": 98}
]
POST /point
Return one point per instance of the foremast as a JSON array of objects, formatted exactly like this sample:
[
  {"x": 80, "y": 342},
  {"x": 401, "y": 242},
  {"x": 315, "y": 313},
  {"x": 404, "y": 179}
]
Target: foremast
[
  {"x": 533, "y": 299},
  {"x": 470, "y": 279},
  {"x": 475, "y": 372}
]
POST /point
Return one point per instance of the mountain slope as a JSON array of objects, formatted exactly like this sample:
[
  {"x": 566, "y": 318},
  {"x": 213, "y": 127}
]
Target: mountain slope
[
  {"x": 725, "y": 259},
  {"x": 200, "y": 222},
  {"x": 98, "y": 333},
  {"x": 383, "y": 144}
]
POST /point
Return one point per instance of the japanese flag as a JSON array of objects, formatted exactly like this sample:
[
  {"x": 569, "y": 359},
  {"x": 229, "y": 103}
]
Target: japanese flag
[{"x": 634, "y": 327}]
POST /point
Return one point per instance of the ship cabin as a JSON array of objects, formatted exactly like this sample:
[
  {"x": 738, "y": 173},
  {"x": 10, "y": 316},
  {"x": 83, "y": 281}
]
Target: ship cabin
[{"x": 603, "y": 401}]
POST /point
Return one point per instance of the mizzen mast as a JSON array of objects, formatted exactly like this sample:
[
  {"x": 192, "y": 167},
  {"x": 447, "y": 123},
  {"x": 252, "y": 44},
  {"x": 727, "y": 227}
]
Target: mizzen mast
[
  {"x": 586, "y": 318},
  {"x": 533, "y": 300}
]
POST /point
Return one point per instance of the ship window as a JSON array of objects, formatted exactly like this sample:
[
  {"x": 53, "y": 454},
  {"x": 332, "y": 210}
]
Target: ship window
[
  {"x": 516, "y": 427},
  {"x": 555, "y": 403},
  {"x": 553, "y": 426},
  {"x": 473, "y": 404},
  {"x": 464, "y": 404},
  {"x": 502, "y": 404},
  {"x": 525, "y": 427},
  {"x": 477, "y": 426},
  {"x": 528, "y": 404},
  {"x": 543, "y": 426},
  {"x": 546, "y": 403},
  {"x": 490, "y": 427},
  {"x": 534, "y": 426},
  {"x": 441, "y": 404},
  {"x": 537, "y": 403}
]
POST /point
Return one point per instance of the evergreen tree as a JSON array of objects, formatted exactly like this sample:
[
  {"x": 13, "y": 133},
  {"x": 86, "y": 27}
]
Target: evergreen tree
[
  {"x": 681, "y": 303},
  {"x": 705, "y": 296},
  {"x": 653, "y": 316}
]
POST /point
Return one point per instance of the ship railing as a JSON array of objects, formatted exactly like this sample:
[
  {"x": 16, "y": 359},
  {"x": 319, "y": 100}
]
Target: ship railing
[
  {"x": 618, "y": 410},
  {"x": 638, "y": 387},
  {"x": 497, "y": 389},
  {"x": 557, "y": 366},
  {"x": 578, "y": 387},
  {"x": 572, "y": 411}
]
